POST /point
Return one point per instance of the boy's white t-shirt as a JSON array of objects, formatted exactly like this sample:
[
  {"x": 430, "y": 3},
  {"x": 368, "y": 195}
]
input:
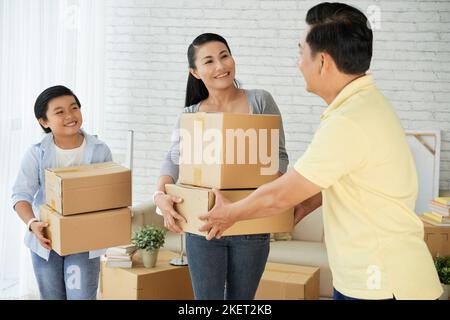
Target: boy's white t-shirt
[{"x": 69, "y": 157}]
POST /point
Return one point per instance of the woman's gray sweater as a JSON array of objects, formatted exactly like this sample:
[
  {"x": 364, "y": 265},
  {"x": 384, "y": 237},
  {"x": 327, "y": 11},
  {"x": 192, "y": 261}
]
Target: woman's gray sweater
[{"x": 259, "y": 101}]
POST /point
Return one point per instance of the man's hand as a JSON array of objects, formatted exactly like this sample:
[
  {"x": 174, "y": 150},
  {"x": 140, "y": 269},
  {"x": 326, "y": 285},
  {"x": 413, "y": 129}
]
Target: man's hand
[
  {"x": 301, "y": 210},
  {"x": 219, "y": 218},
  {"x": 299, "y": 213}
]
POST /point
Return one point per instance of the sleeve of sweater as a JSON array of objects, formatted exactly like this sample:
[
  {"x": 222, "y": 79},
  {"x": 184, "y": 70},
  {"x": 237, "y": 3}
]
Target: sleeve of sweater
[
  {"x": 269, "y": 106},
  {"x": 170, "y": 164}
]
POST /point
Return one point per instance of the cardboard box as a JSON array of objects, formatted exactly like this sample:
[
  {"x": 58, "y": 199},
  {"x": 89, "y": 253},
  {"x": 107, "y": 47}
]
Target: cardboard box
[
  {"x": 163, "y": 282},
  {"x": 228, "y": 151},
  {"x": 198, "y": 200},
  {"x": 437, "y": 239},
  {"x": 87, "y": 232},
  {"x": 289, "y": 282},
  {"x": 88, "y": 188}
]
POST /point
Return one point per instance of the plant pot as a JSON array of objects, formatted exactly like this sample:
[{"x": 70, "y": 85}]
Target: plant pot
[
  {"x": 149, "y": 257},
  {"x": 446, "y": 294}
]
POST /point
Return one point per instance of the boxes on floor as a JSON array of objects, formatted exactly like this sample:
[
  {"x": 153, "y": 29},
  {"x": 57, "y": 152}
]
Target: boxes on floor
[
  {"x": 437, "y": 239},
  {"x": 163, "y": 282},
  {"x": 289, "y": 282}
]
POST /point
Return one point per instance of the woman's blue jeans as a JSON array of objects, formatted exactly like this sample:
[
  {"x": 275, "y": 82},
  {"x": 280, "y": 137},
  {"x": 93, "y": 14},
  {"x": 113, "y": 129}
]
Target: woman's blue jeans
[{"x": 227, "y": 268}]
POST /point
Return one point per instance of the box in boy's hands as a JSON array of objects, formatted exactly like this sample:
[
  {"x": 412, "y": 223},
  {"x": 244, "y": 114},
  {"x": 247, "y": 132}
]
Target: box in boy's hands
[
  {"x": 86, "y": 232},
  {"x": 87, "y": 188}
]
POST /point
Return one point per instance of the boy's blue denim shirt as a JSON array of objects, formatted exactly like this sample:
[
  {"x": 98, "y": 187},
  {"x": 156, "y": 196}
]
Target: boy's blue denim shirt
[{"x": 30, "y": 185}]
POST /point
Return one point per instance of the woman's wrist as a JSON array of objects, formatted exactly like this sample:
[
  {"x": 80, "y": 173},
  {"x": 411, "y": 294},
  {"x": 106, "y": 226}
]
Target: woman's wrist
[{"x": 156, "y": 194}]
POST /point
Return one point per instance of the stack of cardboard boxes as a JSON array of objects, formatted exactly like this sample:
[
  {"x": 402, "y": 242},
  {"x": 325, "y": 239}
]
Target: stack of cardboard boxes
[
  {"x": 437, "y": 239},
  {"x": 87, "y": 207},
  {"x": 163, "y": 282},
  {"x": 436, "y": 223},
  {"x": 247, "y": 160},
  {"x": 235, "y": 153}
]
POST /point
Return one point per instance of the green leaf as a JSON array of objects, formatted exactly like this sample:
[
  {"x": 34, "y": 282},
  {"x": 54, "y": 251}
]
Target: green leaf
[
  {"x": 443, "y": 269},
  {"x": 149, "y": 237}
]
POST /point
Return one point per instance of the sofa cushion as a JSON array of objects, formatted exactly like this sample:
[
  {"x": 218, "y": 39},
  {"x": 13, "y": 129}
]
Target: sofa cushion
[
  {"x": 173, "y": 242},
  {"x": 310, "y": 228},
  {"x": 144, "y": 214},
  {"x": 281, "y": 236}
]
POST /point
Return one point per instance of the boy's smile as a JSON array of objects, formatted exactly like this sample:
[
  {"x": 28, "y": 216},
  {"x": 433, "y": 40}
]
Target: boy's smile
[{"x": 63, "y": 116}]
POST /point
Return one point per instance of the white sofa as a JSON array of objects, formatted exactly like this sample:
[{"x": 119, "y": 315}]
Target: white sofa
[{"x": 306, "y": 248}]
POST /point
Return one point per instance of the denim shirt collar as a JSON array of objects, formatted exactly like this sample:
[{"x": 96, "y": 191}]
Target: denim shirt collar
[{"x": 48, "y": 149}]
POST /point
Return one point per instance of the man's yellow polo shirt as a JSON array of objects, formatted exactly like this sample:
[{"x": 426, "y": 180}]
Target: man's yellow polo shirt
[{"x": 360, "y": 157}]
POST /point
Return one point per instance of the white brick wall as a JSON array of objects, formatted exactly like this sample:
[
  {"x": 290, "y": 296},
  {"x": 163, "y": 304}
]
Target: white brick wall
[{"x": 147, "y": 68}]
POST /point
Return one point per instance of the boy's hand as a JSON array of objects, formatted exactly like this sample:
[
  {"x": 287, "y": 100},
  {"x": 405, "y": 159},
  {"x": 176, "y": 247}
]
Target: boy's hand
[{"x": 37, "y": 228}]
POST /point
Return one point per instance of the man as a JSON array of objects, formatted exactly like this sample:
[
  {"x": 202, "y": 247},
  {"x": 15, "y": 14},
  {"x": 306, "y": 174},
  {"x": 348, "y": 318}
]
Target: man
[{"x": 359, "y": 162}]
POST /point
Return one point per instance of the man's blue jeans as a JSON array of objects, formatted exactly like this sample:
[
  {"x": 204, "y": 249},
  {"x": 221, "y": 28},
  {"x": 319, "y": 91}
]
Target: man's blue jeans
[
  {"x": 72, "y": 277},
  {"x": 228, "y": 268},
  {"x": 339, "y": 296}
]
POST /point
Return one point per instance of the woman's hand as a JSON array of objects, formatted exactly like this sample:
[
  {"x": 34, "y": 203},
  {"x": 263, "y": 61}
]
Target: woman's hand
[
  {"x": 37, "y": 228},
  {"x": 165, "y": 203},
  {"x": 299, "y": 213}
]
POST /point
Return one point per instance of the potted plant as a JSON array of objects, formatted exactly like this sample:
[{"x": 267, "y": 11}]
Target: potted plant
[
  {"x": 443, "y": 269},
  {"x": 149, "y": 239}
]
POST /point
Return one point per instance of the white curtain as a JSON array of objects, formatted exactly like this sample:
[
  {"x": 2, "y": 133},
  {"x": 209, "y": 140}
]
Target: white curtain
[{"x": 42, "y": 43}]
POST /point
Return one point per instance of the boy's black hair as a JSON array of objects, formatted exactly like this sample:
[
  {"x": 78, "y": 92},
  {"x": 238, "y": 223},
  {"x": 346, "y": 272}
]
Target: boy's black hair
[
  {"x": 41, "y": 104},
  {"x": 344, "y": 33}
]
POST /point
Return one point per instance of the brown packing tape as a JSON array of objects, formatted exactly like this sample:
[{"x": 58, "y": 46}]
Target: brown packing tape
[
  {"x": 53, "y": 190},
  {"x": 102, "y": 165},
  {"x": 200, "y": 116},
  {"x": 304, "y": 272},
  {"x": 197, "y": 171}
]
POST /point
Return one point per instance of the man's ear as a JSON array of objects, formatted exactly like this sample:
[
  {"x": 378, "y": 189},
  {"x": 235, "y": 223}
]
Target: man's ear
[
  {"x": 194, "y": 73},
  {"x": 43, "y": 123},
  {"x": 327, "y": 63}
]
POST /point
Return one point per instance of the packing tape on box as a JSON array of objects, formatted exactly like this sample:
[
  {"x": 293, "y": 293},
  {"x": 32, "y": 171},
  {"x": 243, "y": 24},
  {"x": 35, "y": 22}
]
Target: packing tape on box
[
  {"x": 103, "y": 165},
  {"x": 197, "y": 176},
  {"x": 199, "y": 125},
  {"x": 200, "y": 121}
]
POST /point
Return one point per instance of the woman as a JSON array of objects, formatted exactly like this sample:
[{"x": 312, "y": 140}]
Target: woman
[{"x": 230, "y": 267}]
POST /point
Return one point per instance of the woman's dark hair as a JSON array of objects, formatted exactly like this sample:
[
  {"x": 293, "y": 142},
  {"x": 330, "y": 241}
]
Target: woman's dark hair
[
  {"x": 344, "y": 33},
  {"x": 41, "y": 104},
  {"x": 196, "y": 90}
]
